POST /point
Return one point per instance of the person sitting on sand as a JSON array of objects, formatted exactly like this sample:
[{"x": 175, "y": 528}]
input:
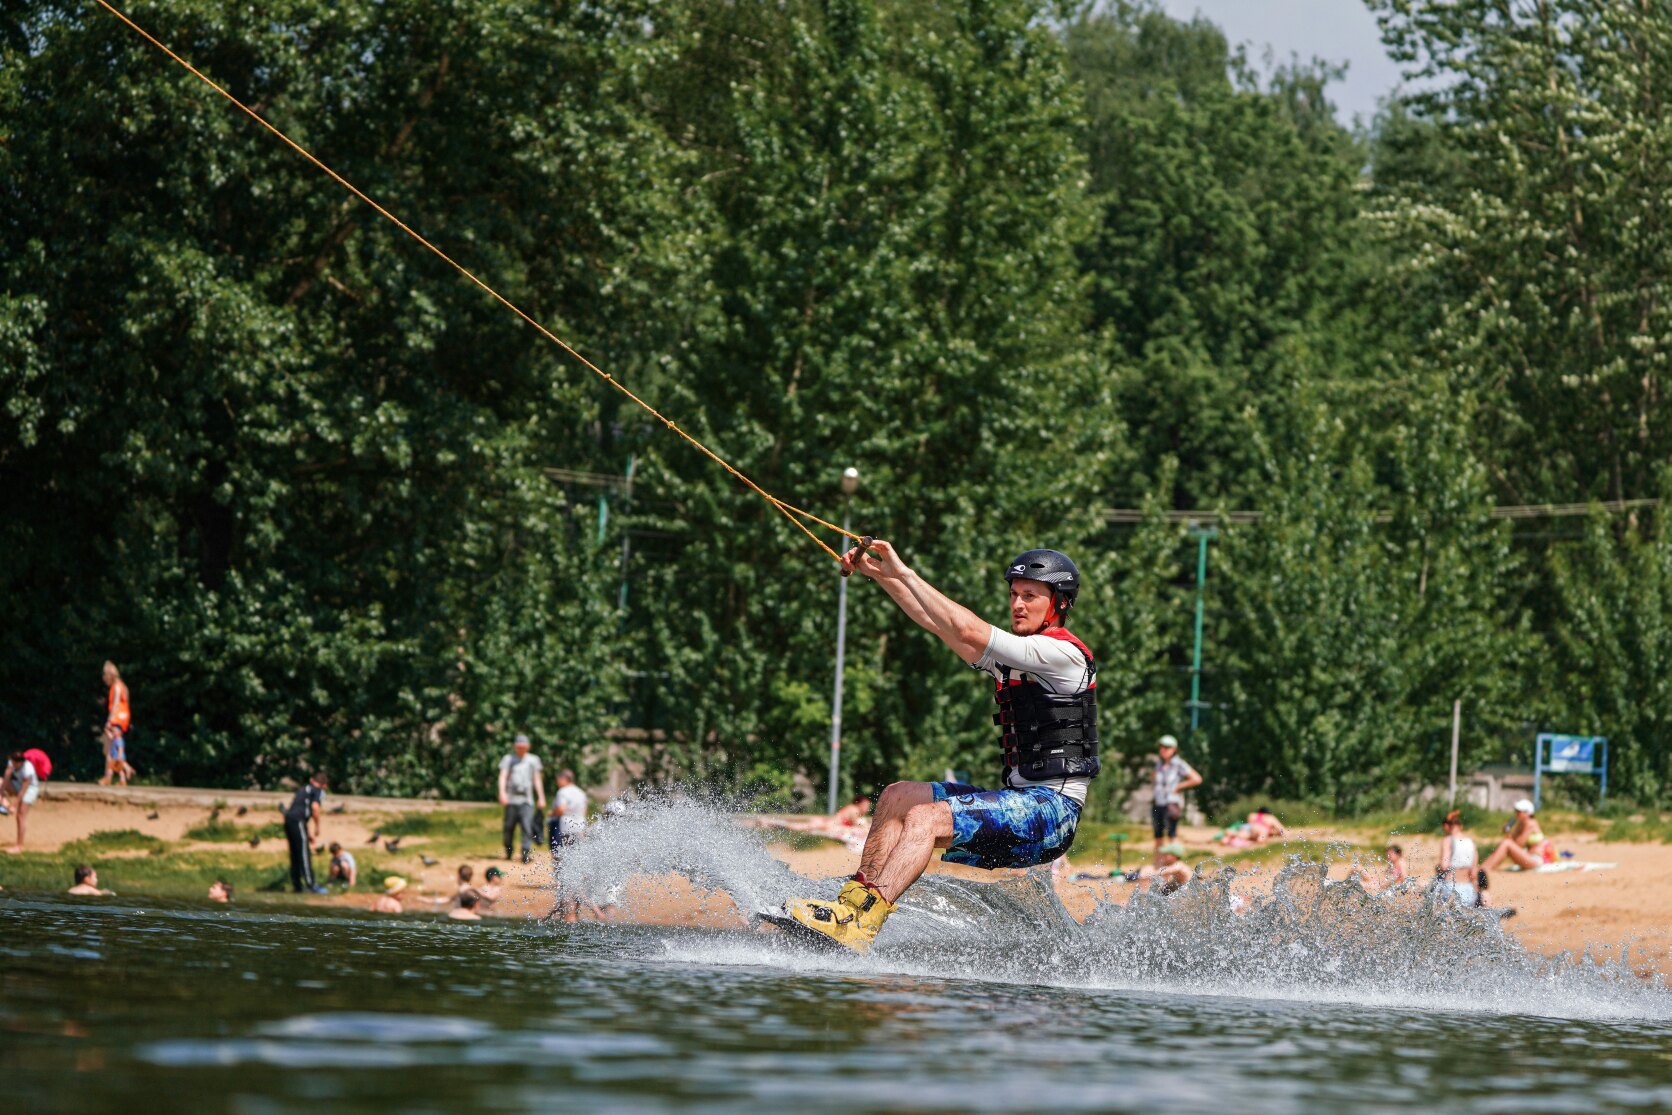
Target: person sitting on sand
[
  {"x": 343, "y": 868},
  {"x": 1458, "y": 863},
  {"x": 854, "y": 812},
  {"x": 1526, "y": 843},
  {"x": 466, "y": 909},
  {"x": 22, "y": 784},
  {"x": 1168, "y": 873},
  {"x": 1263, "y": 825},
  {"x": 87, "y": 883},
  {"x": 389, "y": 902},
  {"x": 220, "y": 891}
]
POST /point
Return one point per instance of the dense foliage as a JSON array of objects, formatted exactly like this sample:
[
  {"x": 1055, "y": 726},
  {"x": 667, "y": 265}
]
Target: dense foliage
[{"x": 1018, "y": 262}]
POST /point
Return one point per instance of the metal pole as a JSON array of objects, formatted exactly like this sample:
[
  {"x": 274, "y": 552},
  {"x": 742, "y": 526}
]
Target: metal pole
[
  {"x": 1538, "y": 769},
  {"x": 1456, "y": 728},
  {"x": 841, "y": 649},
  {"x": 1202, "y": 537},
  {"x": 626, "y": 538}
]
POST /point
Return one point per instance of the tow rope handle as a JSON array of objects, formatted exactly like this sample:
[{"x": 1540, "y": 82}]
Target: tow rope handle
[{"x": 865, "y": 541}]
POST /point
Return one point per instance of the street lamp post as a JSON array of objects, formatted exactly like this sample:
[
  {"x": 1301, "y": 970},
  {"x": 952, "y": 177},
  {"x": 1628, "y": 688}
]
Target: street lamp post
[
  {"x": 1202, "y": 536},
  {"x": 850, "y": 484}
]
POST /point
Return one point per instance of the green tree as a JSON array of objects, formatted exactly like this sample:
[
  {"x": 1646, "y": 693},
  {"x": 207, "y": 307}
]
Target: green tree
[
  {"x": 899, "y": 197},
  {"x": 280, "y": 463},
  {"x": 1349, "y": 629},
  {"x": 1541, "y": 236},
  {"x": 1612, "y": 647},
  {"x": 1228, "y": 217}
]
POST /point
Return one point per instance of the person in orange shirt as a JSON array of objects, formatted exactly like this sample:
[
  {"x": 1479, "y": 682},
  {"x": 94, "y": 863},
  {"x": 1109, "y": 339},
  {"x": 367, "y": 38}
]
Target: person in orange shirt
[{"x": 117, "y": 721}]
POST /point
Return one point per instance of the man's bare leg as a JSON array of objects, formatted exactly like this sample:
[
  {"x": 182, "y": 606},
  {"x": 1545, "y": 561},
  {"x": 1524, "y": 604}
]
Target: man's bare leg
[
  {"x": 899, "y": 799},
  {"x": 909, "y": 826},
  {"x": 927, "y": 826}
]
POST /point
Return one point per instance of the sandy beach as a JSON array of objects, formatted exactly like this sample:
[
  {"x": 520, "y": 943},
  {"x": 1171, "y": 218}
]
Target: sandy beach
[{"x": 1628, "y": 904}]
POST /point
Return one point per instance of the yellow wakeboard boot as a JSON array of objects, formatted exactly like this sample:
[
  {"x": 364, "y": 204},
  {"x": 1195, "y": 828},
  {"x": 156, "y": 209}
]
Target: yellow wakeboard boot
[{"x": 852, "y": 920}]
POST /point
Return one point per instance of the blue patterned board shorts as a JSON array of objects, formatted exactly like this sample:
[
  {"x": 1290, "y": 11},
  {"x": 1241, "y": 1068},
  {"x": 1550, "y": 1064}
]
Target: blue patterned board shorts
[{"x": 1007, "y": 828}]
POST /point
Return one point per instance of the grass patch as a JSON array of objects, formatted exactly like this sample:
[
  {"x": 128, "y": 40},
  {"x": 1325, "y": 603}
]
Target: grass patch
[
  {"x": 1307, "y": 851},
  {"x": 798, "y": 841},
  {"x": 1644, "y": 830},
  {"x": 95, "y": 844},
  {"x": 453, "y": 832},
  {"x": 228, "y": 832},
  {"x": 443, "y": 823},
  {"x": 167, "y": 875},
  {"x": 169, "y": 872},
  {"x": 1302, "y": 814}
]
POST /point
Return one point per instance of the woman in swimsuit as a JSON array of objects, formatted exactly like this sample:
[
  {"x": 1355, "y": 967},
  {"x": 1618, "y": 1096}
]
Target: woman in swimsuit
[
  {"x": 1526, "y": 843},
  {"x": 1458, "y": 862}
]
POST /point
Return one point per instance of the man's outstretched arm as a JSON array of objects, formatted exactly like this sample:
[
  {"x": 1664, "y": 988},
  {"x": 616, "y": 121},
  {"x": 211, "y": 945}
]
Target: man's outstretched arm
[{"x": 949, "y": 621}]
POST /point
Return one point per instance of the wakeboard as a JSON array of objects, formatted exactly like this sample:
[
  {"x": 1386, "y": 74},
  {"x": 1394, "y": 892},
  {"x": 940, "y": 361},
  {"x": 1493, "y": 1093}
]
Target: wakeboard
[{"x": 796, "y": 933}]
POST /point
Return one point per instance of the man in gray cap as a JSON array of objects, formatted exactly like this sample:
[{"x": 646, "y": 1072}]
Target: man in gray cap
[
  {"x": 522, "y": 791},
  {"x": 1173, "y": 776}
]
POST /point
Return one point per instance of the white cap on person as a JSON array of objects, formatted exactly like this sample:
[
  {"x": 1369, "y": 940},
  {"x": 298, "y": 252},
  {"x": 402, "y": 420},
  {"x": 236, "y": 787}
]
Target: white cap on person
[
  {"x": 1524, "y": 806},
  {"x": 1170, "y": 741}
]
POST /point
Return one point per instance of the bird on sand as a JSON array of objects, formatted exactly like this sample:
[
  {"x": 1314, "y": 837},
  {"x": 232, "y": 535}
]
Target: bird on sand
[
  {"x": 376, "y": 836},
  {"x": 255, "y": 841},
  {"x": 429, "y": 861},
  {"x": 153, "y": 815},
  {"x": 243, "y": 809},
  {"x": 391, "y": 845},
  {"x": 341, "y": 808}
]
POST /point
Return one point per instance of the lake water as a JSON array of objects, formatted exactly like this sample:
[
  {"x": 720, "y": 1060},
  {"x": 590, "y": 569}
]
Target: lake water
[{"x": 978, "y": 998}]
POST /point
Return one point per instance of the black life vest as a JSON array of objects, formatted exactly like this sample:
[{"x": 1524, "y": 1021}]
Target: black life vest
[{"x": 1048, "y": 735}]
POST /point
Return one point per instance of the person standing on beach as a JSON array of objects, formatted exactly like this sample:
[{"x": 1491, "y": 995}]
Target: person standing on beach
[
  {"x": 301, "y": 817},
  {"x": 117, "y": 721},
  {"x": 1459, "y": 860},
  {"x": 1044, "y": 682},
  {"x": 522, "y": 791},
  {"x": 1172, "y": 777},
  {"x": 22, "y": 785},
  {"x": 568, "y": 819}
]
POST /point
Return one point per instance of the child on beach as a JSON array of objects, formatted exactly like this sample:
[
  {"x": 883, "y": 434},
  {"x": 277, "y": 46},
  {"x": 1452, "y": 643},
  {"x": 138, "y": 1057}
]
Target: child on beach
[{"x": 343, "y": 868}]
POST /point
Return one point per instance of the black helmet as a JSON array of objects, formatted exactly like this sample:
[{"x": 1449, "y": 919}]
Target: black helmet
[{"x": 1053, "y": 568}]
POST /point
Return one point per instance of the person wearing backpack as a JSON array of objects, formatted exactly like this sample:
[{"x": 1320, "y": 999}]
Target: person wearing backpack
[{"x": 22, "y": 784}]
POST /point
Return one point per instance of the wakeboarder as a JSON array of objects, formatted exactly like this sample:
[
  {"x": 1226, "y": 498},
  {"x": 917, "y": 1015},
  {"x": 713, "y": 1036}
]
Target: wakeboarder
[{"x": 1045, "y": 685}]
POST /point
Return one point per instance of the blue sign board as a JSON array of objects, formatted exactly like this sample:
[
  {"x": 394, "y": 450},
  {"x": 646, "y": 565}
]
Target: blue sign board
[
  {"x": 1571, "y": 754},
  {"x": 1563, "y": 754}
]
